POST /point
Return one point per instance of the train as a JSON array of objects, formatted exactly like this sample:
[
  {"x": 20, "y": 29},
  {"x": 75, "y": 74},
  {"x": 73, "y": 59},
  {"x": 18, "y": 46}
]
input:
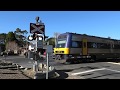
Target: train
[{"x": 74, "y": 47}]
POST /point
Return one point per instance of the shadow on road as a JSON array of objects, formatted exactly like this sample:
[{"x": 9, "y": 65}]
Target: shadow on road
[
  {"x": 96, "y": 61},
  {"x": 62, "y": 74}
]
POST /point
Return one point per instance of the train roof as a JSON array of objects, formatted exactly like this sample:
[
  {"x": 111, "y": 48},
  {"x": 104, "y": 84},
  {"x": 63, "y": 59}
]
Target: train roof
[{"x": 91, "y": 36}]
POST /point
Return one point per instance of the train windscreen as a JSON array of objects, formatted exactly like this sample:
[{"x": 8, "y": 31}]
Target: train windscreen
[{"x": 61, "y": 42}]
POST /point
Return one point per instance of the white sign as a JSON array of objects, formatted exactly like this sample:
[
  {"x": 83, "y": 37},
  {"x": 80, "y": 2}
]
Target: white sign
[{"x": 49, "y": 49}]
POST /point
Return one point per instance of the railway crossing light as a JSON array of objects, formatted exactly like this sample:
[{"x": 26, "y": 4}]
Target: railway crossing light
[
  {"x": 32, "y": 37},
  {"x": 40, "y": 38}
]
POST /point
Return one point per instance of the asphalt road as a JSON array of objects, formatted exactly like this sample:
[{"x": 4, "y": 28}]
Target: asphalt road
[
  {"x": 97, "y": 70},
  {"x": 25, "y": 62}
]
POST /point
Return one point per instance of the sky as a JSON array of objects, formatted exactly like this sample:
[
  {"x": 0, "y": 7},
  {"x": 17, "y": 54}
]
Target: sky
[{"x": 95, "y": 23}]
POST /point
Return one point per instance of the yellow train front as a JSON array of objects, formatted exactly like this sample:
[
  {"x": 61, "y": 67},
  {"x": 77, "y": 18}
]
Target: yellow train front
[
  {"x": 62, "y": 48},
  {"x": 72, "y": 47}
]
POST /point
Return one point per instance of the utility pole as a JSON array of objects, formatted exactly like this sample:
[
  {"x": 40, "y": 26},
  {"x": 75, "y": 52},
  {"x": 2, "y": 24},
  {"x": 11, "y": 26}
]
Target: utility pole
[
  {"x": 56, "y": 36},
  {"x": 47, "y": 68},
  {"x": 55, "y": 39},
  {"x": 49, "y": 50}
]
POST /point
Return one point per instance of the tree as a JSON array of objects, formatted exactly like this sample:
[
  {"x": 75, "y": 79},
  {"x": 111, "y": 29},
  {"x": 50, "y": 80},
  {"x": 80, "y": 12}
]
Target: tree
[
  {"x": 21, "y": 35},
  {"x": 51, "y": 41},
  {"x": 2, "y": 47},
  {"x": 10, "y": 37},
  {"x": 3, "y": 39},
  {"x": 3, "y": 35}
]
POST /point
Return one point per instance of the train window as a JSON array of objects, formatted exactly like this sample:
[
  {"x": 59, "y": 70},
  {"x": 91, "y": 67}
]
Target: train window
[
  {"x": 89, "y": 44},
  {"x": 98, "y": 45},
  {"x": 62, "y": 36},
  {"x": 76, "y": 44},
  {"x": 94, "y": 45},
  {"x": 107, "y": 46},
  {"x": 116, "y": 46},
  {"x": 104, "y": 46}
]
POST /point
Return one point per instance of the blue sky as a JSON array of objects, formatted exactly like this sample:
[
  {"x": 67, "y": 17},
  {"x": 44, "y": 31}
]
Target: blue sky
[{"x": 96, "y": 23}]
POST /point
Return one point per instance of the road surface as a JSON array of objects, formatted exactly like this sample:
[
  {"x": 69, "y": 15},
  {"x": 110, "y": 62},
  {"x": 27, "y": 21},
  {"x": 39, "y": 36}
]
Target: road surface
[
  {"x": 25, "y": 62},
  {"x": 97, "y": 70}
]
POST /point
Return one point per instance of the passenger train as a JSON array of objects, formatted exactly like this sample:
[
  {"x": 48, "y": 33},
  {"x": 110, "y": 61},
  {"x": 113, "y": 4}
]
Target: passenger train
[{"x": 77, "y": 47}]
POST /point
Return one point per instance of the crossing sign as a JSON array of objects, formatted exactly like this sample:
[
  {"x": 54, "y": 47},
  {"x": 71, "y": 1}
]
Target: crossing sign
[{"x": 39, "y": 29}]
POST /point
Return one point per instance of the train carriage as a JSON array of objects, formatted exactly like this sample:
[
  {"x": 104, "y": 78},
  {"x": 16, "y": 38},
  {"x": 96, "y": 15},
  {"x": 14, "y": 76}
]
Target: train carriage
[{"x": 71, "y": 47}]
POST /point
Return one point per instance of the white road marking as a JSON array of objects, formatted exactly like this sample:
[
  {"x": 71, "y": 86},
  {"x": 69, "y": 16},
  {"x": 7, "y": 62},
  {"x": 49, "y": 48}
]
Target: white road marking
[
  {"x": 88, "y": 71},
  {"x": 113, "y": 70},
  {"x": 78, "y": 73},
  {"x": 114, "y": 63}
]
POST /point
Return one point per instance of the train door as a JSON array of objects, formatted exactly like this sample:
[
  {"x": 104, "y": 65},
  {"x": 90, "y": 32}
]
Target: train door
[{"x": 84, "y": 47}]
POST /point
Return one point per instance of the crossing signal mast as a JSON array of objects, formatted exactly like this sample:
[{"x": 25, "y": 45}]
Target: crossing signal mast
[{"x": 38, "y": 33}]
